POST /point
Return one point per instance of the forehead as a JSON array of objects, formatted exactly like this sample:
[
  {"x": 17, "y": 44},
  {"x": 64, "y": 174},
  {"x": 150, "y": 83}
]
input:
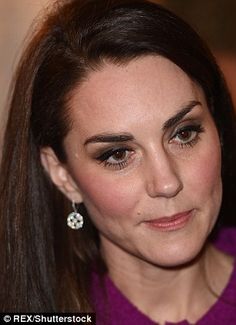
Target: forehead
[{"x": 145, "y": 88}]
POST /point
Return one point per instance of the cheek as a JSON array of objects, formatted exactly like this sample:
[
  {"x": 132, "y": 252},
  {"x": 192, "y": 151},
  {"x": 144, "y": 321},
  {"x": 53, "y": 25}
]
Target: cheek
[
  {"x": 205, "y": 175},
  {"x": 108, "y": 195}
]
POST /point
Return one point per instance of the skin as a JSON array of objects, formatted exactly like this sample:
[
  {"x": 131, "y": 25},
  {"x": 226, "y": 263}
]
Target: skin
[{"x": 156, "y": 175}]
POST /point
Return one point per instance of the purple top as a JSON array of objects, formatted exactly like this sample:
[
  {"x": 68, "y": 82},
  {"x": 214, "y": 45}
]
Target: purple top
[{"x": 113, "y": 308}]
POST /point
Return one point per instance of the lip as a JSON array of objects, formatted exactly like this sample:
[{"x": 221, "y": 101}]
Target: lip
[{"x": 171, "y": 223}]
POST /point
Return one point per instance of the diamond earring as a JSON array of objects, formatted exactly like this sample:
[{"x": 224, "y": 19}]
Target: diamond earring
[{"x": 75, "y": 220}]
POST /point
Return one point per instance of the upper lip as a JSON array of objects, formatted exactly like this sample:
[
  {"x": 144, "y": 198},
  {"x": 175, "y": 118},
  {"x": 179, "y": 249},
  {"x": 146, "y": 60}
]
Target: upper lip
[{"x": 170, "y": 217}]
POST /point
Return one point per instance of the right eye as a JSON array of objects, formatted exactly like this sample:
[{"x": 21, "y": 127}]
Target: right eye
[{"x": 117, "y": 158}]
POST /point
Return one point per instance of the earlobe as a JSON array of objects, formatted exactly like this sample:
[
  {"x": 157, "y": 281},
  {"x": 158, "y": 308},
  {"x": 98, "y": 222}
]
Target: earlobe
[{"x": 59, "y": 175}]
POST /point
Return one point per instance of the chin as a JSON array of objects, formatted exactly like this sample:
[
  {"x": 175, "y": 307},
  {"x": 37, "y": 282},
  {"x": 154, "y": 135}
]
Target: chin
[{"x": 180, "y": 256}]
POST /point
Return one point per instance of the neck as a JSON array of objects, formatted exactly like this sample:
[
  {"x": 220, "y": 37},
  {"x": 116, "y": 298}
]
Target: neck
[{"x": 159, "y": 291}]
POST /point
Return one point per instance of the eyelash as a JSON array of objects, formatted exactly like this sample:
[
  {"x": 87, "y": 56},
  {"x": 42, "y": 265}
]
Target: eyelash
[
  {"x": 104, "y": 157},
  {"x": 197, "y": 128}
]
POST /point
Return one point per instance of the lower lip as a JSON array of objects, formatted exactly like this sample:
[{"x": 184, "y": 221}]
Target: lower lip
[{"x": 171, "y": 223}]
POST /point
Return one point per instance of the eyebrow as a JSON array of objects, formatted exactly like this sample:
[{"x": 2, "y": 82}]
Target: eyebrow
[
  {"x": 180, "y": 114},
  {"x": 125, "y": 137},
  {"x": 110, "y": 138}
]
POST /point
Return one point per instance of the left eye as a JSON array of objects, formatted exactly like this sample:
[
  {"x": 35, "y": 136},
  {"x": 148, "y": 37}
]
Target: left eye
[{"x": 186, "y": 136}]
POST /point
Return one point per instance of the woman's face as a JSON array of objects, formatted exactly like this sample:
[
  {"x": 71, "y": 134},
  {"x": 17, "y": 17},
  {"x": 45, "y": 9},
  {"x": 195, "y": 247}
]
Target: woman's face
[{"x": 145, "y": 157}]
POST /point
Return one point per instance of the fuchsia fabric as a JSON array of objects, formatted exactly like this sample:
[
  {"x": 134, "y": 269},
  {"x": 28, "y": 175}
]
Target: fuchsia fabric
[{"x": 114, "y": 309}]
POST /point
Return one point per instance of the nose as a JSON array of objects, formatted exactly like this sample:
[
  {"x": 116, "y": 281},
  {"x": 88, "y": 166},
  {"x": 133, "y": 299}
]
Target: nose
[{"x": 162, "y": 176}]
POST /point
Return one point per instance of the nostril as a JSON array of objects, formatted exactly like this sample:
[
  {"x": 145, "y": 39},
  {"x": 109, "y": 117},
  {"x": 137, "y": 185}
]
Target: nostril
[{"x": 163, "y": 186}]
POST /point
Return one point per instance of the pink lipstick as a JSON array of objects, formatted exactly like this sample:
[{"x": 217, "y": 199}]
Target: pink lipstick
[{"x": 171, "y": 223}]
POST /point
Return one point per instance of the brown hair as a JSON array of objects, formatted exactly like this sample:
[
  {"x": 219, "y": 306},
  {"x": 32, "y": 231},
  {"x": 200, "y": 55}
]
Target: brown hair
[{"x": 45, "y": 266}]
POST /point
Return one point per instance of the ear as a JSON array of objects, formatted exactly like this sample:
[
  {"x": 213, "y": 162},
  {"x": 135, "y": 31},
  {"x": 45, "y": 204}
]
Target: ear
[{"x": 59, "y": 175}]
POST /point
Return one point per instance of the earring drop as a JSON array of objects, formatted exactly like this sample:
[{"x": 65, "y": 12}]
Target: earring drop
[{"x": 75, "y": 220}]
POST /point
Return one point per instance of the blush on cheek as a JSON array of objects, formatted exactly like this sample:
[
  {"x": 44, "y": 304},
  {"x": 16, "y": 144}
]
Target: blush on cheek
[
  {"x": 207, "y": 174},
  {"x": 213, "y": 163},
  {"x": 107, "y": 196}
]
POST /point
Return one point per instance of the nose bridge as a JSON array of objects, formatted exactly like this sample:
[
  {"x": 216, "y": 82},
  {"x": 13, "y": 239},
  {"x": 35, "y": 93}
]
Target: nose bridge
[{"x": 163, "y": 177}]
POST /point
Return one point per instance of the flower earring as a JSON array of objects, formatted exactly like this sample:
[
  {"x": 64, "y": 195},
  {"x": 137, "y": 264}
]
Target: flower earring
[{"x": 75, "y": 220}]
